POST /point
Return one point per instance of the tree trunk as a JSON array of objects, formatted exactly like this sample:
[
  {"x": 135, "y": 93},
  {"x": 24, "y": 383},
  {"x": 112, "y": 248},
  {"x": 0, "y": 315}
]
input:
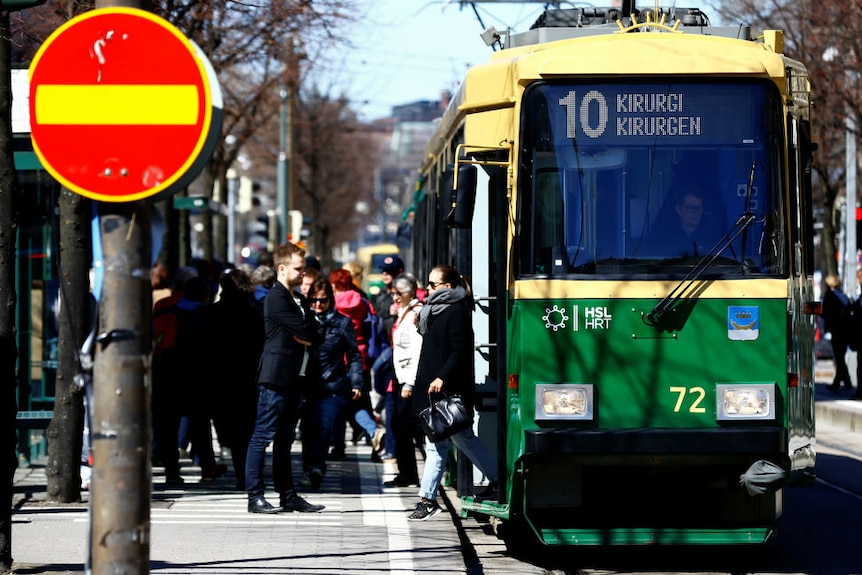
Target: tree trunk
[
  {"x": 66, "y": 428},
  {"x": 206, "y": 244},
  {"x": 8, "y": 298}
]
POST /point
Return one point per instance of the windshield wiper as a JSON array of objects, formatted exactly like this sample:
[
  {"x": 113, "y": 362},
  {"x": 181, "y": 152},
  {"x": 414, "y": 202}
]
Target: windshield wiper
[{"x": 739, "y": 226}]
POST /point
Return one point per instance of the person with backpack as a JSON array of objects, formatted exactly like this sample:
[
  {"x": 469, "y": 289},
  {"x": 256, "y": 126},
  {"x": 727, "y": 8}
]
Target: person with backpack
[{"x": 837, "y": 320}]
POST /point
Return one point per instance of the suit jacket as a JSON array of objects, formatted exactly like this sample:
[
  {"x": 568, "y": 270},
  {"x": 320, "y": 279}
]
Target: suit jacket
[{"x": 282, "y": 357}]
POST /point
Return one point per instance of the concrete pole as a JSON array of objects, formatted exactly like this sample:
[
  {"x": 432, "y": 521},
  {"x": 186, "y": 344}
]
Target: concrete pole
[
  {"x": 232, "y": 191},
  {"x": 121, "y": 438},
  {"x": 282, "y": 169},
  {"x": 850, "y": 259}
]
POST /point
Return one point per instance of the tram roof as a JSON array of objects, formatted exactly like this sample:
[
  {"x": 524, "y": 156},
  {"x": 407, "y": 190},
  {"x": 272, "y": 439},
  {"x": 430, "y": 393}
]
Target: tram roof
[{"x": 607, "y": 50}]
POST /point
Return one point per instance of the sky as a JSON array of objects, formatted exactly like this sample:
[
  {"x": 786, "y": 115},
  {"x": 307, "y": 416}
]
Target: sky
[{"x": 410, "y": 50}]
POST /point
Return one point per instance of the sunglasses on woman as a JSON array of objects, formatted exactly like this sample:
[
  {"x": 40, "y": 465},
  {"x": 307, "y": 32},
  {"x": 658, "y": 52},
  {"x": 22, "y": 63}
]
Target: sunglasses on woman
[{"x": 314, "y": 300}]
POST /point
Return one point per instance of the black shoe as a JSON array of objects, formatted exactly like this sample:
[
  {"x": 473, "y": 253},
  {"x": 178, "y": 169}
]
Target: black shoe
[
  {"x": 291, "y": 501},
  {"x": 261, "y": 505},
  {"x": 211, "y": 475},
  {"x": 358, "y": 435},
  {"x": 174, "y": 480},
  {"x": 834, "y": 387},
  {"x": 399, "y": 481},
  {"x": 312, "y": 479},
  {"x": 316, "y": 476},
  {"x": 487, "y": 494},
  {"x": 425, "y": 510}
]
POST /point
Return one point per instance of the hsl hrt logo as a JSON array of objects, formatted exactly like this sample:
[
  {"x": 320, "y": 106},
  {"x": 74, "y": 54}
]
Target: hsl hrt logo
[{"x": 595, "y": 317}]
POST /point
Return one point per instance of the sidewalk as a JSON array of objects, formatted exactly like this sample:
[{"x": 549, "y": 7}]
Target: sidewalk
[
  {"x": 204, "y": 527},
  {"x": 838, "y": 418}
]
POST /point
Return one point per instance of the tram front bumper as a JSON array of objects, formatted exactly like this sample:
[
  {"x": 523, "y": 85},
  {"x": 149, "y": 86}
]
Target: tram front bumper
[{"x": 640, "y": 486}]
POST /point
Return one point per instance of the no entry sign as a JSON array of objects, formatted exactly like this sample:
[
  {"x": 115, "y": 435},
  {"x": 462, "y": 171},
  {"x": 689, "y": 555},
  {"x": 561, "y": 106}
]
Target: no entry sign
[{"x": 123, "y": 106}]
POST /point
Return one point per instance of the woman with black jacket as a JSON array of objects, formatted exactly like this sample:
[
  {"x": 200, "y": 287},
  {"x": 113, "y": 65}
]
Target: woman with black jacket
[
  {"x": 340, "y": 379},
  {"x": 446, "y": 366}
]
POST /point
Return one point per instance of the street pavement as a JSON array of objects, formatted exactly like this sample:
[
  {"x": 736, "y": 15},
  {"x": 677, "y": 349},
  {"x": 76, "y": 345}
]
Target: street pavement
[{"x": 204, "y": 528}]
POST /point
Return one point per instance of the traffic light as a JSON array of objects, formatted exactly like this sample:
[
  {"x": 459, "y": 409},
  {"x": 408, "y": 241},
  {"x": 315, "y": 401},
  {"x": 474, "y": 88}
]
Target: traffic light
[
  {"x": 294, "y": 226},
  {"x": 12, "y": 5}
]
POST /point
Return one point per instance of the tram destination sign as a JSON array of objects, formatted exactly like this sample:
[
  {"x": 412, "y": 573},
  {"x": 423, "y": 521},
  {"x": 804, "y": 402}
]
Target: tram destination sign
[
  {"x": 626, "y": 114},
  {"x": 123, "y": 106}
]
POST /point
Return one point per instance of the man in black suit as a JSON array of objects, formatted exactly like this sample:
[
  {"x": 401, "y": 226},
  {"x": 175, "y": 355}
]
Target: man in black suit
[{"x": 284, "y": 364}]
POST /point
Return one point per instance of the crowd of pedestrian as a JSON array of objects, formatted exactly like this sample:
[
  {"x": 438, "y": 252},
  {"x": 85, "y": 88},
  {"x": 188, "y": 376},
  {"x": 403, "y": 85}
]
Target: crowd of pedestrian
[{"x": 257, "y": 354}]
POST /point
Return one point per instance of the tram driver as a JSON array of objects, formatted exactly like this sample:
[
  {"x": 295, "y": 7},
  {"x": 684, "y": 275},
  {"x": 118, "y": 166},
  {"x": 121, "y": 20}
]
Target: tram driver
[{"x": 689, "y": 232}]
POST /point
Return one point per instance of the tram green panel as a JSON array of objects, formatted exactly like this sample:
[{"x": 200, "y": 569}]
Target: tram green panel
[{"x": 645, "y": 375}]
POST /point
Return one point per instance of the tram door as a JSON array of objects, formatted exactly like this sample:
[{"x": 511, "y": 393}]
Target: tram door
[{"x": 484, "y": 271}]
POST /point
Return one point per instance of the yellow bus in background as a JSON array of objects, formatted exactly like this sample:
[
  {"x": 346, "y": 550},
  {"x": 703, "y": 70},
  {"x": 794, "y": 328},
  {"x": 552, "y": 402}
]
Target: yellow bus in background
[{"x": 371, "y": 258}]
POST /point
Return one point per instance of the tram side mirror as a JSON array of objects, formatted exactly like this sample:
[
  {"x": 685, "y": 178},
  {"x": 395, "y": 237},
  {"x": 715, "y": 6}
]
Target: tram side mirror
[{"x": 462, "y": 199}]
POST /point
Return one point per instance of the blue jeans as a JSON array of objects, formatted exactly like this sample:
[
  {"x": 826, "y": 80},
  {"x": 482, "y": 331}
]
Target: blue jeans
[
  {"x": 437, "y": 454},
  {"x": 360, "y": 416},
  {"x": 328, "y": 411},
  {"x": 277, "y": 414},
  {"x": 366, "y": 422}
]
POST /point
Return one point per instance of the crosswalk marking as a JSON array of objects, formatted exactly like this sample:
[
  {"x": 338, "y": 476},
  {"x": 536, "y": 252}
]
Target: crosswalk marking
[{"x": 387, "y": 509}]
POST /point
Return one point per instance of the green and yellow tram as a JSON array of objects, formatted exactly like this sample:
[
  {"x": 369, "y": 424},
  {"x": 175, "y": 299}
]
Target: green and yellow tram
[{"x": 629, "y": 193}]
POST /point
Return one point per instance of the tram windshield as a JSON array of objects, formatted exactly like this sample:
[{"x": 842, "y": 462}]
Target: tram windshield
[{"x": 649, "y": 178}]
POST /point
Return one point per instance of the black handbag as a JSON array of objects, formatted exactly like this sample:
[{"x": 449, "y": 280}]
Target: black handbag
[{"x": 445, "y": 417}]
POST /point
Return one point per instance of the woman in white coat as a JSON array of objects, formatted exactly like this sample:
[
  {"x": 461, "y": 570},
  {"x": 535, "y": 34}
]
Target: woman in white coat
[{"x": 406, "y": 346}]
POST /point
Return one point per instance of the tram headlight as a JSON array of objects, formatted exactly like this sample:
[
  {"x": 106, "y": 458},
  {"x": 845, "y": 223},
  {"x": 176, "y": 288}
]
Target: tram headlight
[
  {"x": 564, "y": 401},
  {"x": 738, "y": 401}
]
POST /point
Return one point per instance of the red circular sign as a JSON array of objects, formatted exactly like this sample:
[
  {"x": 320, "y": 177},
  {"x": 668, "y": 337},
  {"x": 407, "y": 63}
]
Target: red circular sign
[{"x": 121, "y": 105}]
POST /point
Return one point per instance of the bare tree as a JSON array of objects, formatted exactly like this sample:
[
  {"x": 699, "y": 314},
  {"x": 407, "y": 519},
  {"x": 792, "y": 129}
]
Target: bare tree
[
  {"x": 246, "y": 43},
  {"x": 336, "y": 169},
  {"x": 334, "y": 161},
  {"x": 831, "y": 53},
  {"x": 8, "y": 298},
  {"x": 64, "y": 433}
]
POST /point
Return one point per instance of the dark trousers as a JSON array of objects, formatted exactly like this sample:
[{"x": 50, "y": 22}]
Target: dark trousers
[
  {"x": 166, "y": 406},
  {"x": 317, "y": 436},
  {"x": 201, "y": 437},
  {"x": 277, "y": 414},
  {"x": 842, "y": 373},
  {"x": 389, "y": 438},
  {"x": 309, "y": 430},
  {"x": 405, "y": 426}
]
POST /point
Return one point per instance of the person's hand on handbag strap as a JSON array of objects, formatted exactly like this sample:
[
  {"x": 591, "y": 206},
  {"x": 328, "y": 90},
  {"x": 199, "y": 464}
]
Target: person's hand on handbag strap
[{"x": 436, "y": 385}]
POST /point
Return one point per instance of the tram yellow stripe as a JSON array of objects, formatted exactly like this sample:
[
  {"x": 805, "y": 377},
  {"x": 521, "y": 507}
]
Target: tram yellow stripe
[
  {"x": 112, "y": 105},
  {"x": 704, "y": 289}
]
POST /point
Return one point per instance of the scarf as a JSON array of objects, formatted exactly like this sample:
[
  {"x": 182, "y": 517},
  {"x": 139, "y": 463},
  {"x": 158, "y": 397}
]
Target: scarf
[{"x": 437, "y": 303}]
